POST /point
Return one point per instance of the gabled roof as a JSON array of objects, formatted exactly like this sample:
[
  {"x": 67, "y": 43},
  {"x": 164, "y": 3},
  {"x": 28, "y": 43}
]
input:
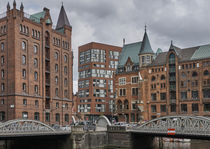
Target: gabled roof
[
  {"x": 130, "y": 50},
  {"x": 186, "y": 54},
  {"x": 62, "y": 19},
  {"x": 146, "y": 47}
]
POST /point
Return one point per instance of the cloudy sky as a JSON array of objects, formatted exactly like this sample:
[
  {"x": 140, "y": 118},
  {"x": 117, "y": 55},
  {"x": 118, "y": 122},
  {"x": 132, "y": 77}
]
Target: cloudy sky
[{"x": 186, "y": 22}]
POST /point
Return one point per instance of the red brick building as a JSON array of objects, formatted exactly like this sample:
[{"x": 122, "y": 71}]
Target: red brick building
[
  {"x": 36, "y": 66},
  {"x": 177, "y": 82},
  {"x": 132, "y": 58},
  {"x": 97, "y": 64}
]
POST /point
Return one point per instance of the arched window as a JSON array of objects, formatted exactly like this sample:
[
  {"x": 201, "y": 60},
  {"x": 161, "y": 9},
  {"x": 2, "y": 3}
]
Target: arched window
[
  {"x": 23, "y": 59},
  {"x": 56, "y": 67},
  {"x": 36, "y": 62},
  {"x": 21, "y": 28},
  {"x": 36, "y": 116},
  {"x": 65, "y": 82},
  {"x": 56, "y": 55},
  {"x": 171, "y": 58},
  {"x": 24, "y": 87},
  {"x": 56, "y": 80},
  {"x": 35, "y": 76},
  {"x": 36, "y": 89},
  {"x": 162, "y": 77},
  {"x": 2, "y": 73},
  {"x": 35, "y": 49},
  {"x": 66, "y": 117},
  {"x": 194, "y": 74},
  {"x": 206, "y": 73},
  {"x": 66, "y": 106},
  {"x": 56, "y": 92},
  {"x": 153, "y": 78},
  {"x": 24, "y": 73},
  {"x": 2, "y": 46},
  {"x": 57, "y": 105},
  {"x": 65, "y": 58},
  {"x": 23, "y": 45},
  {"x": 65, "y": 70}
]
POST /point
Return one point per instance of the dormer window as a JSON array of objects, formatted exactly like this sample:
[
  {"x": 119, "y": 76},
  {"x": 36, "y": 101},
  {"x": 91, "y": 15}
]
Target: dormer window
[{"x": 128, "y": 68}]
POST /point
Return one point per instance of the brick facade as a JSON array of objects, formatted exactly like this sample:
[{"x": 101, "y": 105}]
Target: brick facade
[{"x": 29, "y": 52}]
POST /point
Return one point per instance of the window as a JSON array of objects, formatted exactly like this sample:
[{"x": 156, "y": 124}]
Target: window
[
  {"x": 153, "y": 97},
  {"x": 35, "y": 76},
  {"x": 206, "y": 73},
  {"x": 153, "y": 108},
  {"x": 24, "y": 73},
  {"x": 24, "y": 87},
  {"x": 171, "y": 58},
  {"x": 66, "y": 106},
  {"x": 134, "y": 91},
  {"x": 56, "y": 92},
  {"x": 2, "y": 116},
  {"x": 183, "y": 75},
  {"x": 47, "y": 117},
  {"x": 162, "y": 77},
  {"x": 65, "y": 70},
  {"x": 56, "y": 80},
  {"x": 153, "y": 78},
  {"x": 57, "y": 117},
  {"x": 23, "y": 59},
  {"x": 143, "y": 61},
  {"x": 25, "y": 115},
  {"x": 134, "y": 79},
  {"x": 195, "y": 107},
  {"x": 162, "y": 96},
  {"x": 122, "y": 92},
  {"x": 194, "y": 74},
  {"x": 163, "y": 108},
  {"x": 66, "y": 93},
  {"x": 23, "y": 45},
  {"x": 183, "y": 83},
  {"x": 207, "y": 107},
  {"x": 65, "y": 58},
  {"x": 184, "y": 95},
  {"x": 148, "y": 59},
  {"x": 56, "y": 67},
  {"x": 2, "y": 46},
  {"x": 36, "y": 103},
  {"x": 195, "y": 94},
  {"x": 56, "y": 55},
  {"x": 57, "y": 105},
  {"x": 2, "y": 87},
  {"x": 2, "y": 60},
  {"x": 122, "y": 81},
  {"x": 35, "y": 49},
  {"x": 2, "y": 101},
  {"x": 35, "y": 63},
  {"x": 184, "y": 107},
  {"x": 25, "y": 102},
  {"x": 36, "y": 89},
  {"x": 66, "y": 118},
  {"x": 173, "y": 107},
  {"x": 2, "y": 73},
  {"x": 66, "y": 82},
  {"x": 206, "y": 93},
  {"x": 36, "y": 116}
]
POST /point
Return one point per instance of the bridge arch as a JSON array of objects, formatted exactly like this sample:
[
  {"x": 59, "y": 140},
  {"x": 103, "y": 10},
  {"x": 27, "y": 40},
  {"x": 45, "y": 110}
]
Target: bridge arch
[
  {"x": 101, "y": 123},
  {"x": 181, "y": 124},
  {"x": 24, "y": 125}
]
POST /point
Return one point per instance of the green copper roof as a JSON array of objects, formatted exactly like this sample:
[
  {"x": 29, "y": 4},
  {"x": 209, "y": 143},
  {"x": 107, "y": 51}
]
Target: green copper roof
[
  {"x": 48, "y": 21},
  {"x": 202, "y": 52},
  {"x": 37, "y": 16},
  {"x": 130, "y": 50},
  {"x": 159, "y": 51},
  {"x": 146, "y": 47}
]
